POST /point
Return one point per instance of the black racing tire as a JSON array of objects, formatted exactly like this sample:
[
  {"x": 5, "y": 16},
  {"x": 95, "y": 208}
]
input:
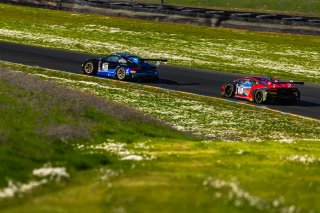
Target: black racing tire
[
  {"x": 297, "y": 100},
  {"x": 155, "y": 79},
  {"x": 121, "y": 74},
  {"x": 294, "y": 101},
  {"x": 90, "y": 68},
  {"x": 229, "y": 90},
  {"x": 258, "y": 97},
  {"x": 141, "y": 80}
]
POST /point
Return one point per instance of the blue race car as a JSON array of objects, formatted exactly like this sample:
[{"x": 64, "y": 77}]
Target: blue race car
[{"x": 123, "y": 66}]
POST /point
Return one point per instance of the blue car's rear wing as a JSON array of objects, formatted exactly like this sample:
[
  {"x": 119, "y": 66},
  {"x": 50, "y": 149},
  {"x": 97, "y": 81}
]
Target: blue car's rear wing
[
  {"x": 158, "y": 60},
  {"x": 154, "y": 59}
]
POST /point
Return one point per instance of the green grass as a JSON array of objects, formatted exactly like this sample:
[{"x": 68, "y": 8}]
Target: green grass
[
  {"x": 179, "y": 173},
  {"x": 176, "y": 181},
  {"x": 311, "y": 7},
  {"x": 209, "y": 117},
  {"x": 41, "y": 123},
  {"x": 290, "y": 57}
]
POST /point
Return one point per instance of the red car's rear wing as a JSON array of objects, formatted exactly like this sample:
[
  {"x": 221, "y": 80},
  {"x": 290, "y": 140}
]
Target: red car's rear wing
[{"x": 289, "y": 82}]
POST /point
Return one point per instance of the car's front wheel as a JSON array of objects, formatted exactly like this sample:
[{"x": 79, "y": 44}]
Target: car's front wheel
[
  {"x": 258, "y": 97},
  {"x": 89, "y": 68},
  {"x": 121, "y": 74}
]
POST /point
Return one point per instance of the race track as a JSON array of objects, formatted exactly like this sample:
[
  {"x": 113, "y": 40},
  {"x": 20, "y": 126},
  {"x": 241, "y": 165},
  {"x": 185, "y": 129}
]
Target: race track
[{"x": 175, "y": 78}]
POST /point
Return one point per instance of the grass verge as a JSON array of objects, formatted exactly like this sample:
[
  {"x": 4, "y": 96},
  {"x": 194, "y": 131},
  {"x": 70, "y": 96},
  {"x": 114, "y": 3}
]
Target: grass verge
[
  {"x": 42, "y": 122},
  {"x": 147, "y": 167},
  {"x": 254, "y": 53},
  {"x": 205, "y": 116}
]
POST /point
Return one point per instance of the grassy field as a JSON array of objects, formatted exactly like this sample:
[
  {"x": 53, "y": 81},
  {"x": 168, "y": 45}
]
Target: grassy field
[
  {"x": 216, "y": 119},
  {"x": 277, "y": 55},
  {"x": 311, "y": 7},
  {"x": 41, "y": 122},
  {"x": 34, "y": 127},
  {"x": 73, "y": 143},
  {"x": 115, "y": 164}
]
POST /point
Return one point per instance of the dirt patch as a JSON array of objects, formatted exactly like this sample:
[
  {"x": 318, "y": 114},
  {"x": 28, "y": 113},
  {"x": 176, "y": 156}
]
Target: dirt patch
[
  {"x": 66, "y": 132},
  {"x": 73, "y": 100}
]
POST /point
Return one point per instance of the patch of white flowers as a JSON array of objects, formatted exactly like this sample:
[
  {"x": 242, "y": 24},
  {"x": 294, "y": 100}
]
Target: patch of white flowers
[
  {"x": 114, "y": 148},
  {"x": 52, "y": 173},
  {"x": 119, "y": 149},
  {"x": 143, "y": 145},
  {"x": 106, "y": 173},
  {"x": 218, "y": 120},
  {"x": 305, "y": 159},
  {"x": 215, "y": 52},
  {"x": 239, "y": 197},
  {"x": 43, "y": 175},
  {"x": 286, "y": 140},
  {"x": 17, "y": 188},
  {"x": 133, "y": 157},
  {"x": 240, "y": 152}
]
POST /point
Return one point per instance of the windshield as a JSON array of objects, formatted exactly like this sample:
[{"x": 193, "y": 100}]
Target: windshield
[{"x": 266, "y": 80}]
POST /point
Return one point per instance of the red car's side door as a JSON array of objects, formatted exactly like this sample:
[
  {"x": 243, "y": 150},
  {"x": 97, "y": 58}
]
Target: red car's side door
[{"x": 255, "y": 86}]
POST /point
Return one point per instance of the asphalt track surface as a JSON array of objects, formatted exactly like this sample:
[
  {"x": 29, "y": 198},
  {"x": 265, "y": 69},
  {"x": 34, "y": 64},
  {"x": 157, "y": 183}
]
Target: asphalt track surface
[{"x": 191, "y": 80}]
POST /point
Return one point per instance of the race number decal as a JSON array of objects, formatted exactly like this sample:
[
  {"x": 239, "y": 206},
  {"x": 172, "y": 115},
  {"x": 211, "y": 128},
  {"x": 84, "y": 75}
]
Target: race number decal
[
  {"x": 240, "y": 90},
  {"x": 105, "y": 66}
]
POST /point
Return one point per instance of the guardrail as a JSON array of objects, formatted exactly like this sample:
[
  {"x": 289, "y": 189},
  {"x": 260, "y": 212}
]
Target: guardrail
[
  {"x": 309, "y": 7},
  {"x": 181, "y": 14}
]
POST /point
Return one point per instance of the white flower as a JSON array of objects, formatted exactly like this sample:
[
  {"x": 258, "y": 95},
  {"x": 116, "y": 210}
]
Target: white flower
[
  {"x": 305, "y": 159},
  {"x": 239, "y": 196},
  {"x": 56, "y": 173},
  {"x": 133, "y": 157},
  {"x": 15, "y": 188}
]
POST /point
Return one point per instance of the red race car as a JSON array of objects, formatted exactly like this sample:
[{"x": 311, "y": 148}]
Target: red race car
[{"x": 262, "y": 90}]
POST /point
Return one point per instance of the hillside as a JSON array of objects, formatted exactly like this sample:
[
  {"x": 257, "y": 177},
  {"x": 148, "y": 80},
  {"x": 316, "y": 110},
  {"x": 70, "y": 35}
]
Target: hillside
[{"x": 69, "y": 150}]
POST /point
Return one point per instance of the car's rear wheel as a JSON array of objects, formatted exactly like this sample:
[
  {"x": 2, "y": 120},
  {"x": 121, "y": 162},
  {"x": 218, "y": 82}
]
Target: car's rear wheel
[
  {"x": 89, "y": 68},
  {"x": 296, "y": 100},
  {"x": 228, "y": 90},
  {"x": 258, "y": 97},
  {"x": 121, "y": 74}
]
